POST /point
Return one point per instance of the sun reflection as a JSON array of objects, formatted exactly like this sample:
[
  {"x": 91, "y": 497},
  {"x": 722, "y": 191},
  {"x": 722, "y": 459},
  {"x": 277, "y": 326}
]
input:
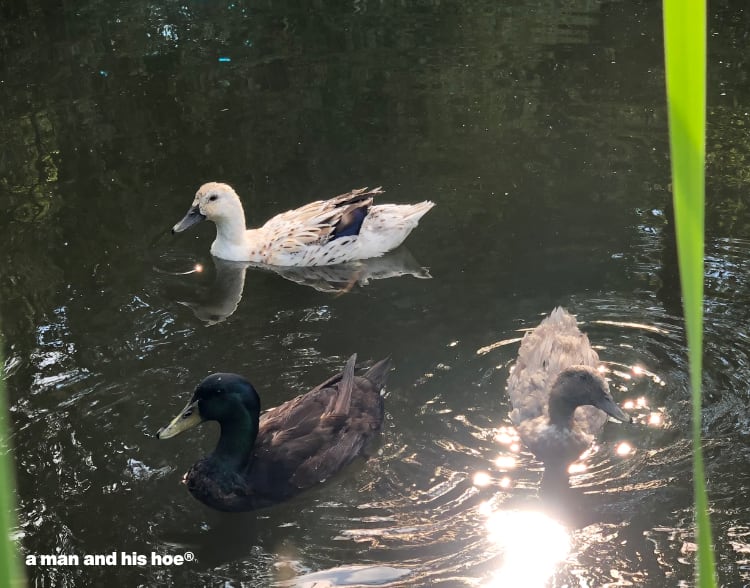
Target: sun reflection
[
  {"x": 654, "y": 418},
  {"x": 482, "y": 479},
  {"x": 624, "y": 448},
  {"x": 503, "y": 438},
  {"x": 577, "y": 468},
  {"x": 506, "y": 436},
  {"x": 532, "y": 544},
  {"x": 196, "y": 269},
  {"x": 505, "y": 482},
  {"x": 506, "y": 462}
]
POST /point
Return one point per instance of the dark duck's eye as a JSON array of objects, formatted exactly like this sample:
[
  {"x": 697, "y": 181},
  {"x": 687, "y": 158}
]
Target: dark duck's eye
[
  {"x": 187, "y": 413},
  {"x": 213, "y": 197}
]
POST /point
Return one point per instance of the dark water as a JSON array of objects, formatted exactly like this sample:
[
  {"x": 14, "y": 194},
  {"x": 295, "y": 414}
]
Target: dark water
[{"x": 539, "y": 128}]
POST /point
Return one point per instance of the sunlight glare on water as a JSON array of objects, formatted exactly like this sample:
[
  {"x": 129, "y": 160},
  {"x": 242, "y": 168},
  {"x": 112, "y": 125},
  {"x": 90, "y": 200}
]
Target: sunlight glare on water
[
  {"x": 532, "y": 544},
  {"x": 506, "y": 462},
  {"x": 577, "y": 468},
  {"x": 624, "y": 449},
  {"x": 654, "y": 418},
  {"x": 482, "y": 479}
]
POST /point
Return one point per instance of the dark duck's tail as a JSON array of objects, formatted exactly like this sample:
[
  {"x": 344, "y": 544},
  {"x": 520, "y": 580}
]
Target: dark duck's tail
[{"x": 378, "y": 373}]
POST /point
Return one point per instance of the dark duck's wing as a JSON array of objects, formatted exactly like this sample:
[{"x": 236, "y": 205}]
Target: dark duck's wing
[{"x": 308, "y": 439}]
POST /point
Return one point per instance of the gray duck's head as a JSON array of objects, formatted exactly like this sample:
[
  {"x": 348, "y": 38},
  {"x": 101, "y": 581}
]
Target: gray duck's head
[{"x": 581, "y": 385}]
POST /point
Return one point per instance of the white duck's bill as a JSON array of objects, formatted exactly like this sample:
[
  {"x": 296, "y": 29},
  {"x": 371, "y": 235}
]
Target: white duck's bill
[
  {"x": 192, "y": 217},
  {"x": 187, "y": 419}
]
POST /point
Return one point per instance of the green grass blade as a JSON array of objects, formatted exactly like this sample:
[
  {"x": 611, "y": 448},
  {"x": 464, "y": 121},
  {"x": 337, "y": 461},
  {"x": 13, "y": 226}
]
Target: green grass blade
[
  {"x": 685, "y": 52},
  {"x": 10, "y": 571}
]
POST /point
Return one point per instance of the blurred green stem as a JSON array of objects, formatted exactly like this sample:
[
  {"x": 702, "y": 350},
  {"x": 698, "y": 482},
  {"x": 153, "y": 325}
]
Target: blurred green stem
[
  {"x": 10, "y": 571},
  {"x": 685, "y": 56}
]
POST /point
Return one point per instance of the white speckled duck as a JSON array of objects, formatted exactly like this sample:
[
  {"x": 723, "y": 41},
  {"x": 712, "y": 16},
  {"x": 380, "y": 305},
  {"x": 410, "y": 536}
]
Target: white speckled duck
[
  {"x": 326, "y": 232},
  {"x": 560, "y": 400}
]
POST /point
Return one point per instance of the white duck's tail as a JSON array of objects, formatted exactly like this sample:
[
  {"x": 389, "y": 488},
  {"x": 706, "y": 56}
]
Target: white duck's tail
[
  {"x": 396, "y": 215},
  {"x": 411, "y": 213},
  {"x": 388, "y": 225}
]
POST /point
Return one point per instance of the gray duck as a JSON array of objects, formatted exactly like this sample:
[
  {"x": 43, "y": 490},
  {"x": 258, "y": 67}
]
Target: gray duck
[{"x": 560, "y": 399}]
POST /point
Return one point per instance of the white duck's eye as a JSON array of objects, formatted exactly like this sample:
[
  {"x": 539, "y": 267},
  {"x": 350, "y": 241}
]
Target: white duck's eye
[{"x": 213, "y": 197}]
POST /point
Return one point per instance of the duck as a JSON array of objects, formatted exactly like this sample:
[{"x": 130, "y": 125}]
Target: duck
[
  {"x": 560, "y": 400},
  {"x": 259, "y": 460},
  {"x": 345, "y": 228}
]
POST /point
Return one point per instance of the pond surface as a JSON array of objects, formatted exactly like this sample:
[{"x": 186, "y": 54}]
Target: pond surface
[{"x": 538, "y": 128}]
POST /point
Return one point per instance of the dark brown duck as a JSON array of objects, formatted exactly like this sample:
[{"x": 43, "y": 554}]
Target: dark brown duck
[{"x": 262, "y": 460}]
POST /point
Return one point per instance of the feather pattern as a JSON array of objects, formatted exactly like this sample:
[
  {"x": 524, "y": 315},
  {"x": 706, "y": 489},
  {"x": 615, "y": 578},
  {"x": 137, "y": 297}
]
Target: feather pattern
[{"x": 325, "y": 232}]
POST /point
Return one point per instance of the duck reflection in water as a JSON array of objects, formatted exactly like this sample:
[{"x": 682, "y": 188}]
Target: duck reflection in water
[{"x": 221, "y": 298}]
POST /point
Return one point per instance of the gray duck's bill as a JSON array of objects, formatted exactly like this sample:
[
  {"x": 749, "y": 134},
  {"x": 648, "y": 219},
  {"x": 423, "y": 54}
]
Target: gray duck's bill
[{"x": 610, "y": 407}]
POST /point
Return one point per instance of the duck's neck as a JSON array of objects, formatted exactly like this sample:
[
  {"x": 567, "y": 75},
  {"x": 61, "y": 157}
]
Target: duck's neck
[
  {"x": 561, "y": 409},
  {"x": 236, "y": 441},
  {"x": 230, "y": 229}
]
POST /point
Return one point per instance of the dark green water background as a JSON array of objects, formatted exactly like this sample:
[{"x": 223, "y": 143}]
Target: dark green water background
[{"x": 538, "y": 128}]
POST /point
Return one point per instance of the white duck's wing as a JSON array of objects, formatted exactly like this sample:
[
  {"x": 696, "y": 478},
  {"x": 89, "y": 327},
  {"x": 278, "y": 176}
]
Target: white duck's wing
[{"x": 320, "y": 221}]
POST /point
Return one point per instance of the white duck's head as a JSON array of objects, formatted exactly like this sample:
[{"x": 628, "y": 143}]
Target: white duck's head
[
  {"x": 581, "y": 385},
  {"x": 213, "y": 201}
]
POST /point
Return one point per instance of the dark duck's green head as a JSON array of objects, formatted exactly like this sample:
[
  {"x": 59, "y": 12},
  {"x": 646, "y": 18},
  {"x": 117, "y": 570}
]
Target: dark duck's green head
[{"x": 233, "y": 402}]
